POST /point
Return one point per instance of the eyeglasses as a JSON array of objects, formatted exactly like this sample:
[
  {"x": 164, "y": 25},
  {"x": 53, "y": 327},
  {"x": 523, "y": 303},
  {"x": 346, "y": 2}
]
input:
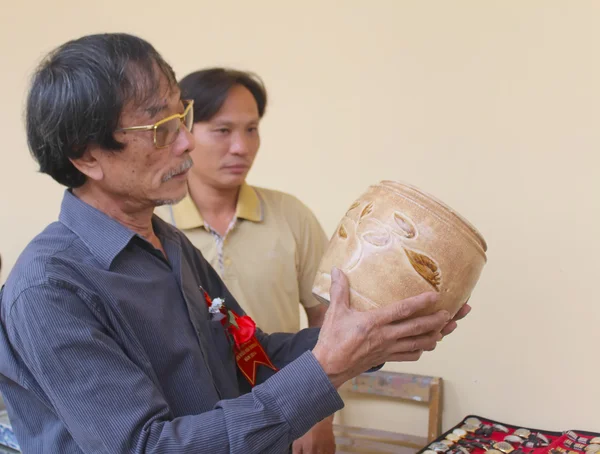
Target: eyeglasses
[{"x": 167, "y": 129}]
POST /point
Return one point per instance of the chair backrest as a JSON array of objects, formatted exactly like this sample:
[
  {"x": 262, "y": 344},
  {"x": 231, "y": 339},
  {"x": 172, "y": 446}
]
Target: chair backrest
[{"x": 409, "y": 387}]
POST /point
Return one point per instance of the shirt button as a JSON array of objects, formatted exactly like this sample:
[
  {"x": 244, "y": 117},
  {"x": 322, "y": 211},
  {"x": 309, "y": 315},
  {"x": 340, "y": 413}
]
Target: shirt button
[{"x": 227, "y": 262}]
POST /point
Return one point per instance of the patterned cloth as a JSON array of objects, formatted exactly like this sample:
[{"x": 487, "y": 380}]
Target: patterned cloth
[{"x": 7, "y": 435}]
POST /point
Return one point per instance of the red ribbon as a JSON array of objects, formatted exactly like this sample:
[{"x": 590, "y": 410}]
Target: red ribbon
[{"x": 249, "y": 354}]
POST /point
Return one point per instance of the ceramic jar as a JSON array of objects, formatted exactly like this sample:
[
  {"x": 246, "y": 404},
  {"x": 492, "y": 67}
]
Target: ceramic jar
[{"x": 396, "y": 241}]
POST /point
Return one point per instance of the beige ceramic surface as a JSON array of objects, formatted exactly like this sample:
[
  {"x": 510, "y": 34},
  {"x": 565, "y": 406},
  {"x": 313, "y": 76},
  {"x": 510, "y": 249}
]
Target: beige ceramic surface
[{"x": 396, "y": 241}]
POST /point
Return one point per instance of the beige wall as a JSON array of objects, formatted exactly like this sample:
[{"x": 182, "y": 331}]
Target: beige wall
[{"x": 492, "y": 106}]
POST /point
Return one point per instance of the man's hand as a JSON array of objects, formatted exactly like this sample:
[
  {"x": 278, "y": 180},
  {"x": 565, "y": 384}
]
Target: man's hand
[
  {"x": 462, "y": 313},
  {"x": 351, "y": 342},
  {"x": 318, "y": 440}
]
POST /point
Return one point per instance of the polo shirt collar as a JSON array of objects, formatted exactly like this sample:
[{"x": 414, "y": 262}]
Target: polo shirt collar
[{"x": 185, "y": 215}]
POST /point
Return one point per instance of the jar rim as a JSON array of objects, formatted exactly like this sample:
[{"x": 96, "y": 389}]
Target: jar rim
[{"x": 396, "y": 185}]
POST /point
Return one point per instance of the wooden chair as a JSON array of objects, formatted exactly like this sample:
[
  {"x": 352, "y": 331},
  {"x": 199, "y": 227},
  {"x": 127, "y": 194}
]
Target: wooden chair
[{"x": 408, "y": 387}]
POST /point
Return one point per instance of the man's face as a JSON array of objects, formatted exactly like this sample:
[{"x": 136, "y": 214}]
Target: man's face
[
  {"x": 227, "y": 144},
  {"x": 142, "y": 175}
]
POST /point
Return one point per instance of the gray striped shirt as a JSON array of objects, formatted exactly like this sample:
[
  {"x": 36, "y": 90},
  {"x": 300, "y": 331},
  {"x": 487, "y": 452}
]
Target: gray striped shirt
[{"x": 108, "y": 347}]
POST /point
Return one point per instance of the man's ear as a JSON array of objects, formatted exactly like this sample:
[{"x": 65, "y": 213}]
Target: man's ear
[{"x": 90, "y": 163}]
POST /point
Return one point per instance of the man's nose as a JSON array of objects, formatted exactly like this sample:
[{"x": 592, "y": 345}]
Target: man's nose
[
  {"x": 240, "y": 145},
  {"x": 185, "y": 141}
]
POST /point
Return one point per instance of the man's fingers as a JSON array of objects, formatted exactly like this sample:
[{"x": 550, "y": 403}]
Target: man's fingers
[
  {"x": 425, "y": 342},
  {"x": 340, "y": 289},
  {"x": 402, "y": 310},
  {"x": 462, "y": 313},
  {"x": 449, "y": 328},
  {"x": 418, "y": 326},
  {"x": 405, "y": 357}
]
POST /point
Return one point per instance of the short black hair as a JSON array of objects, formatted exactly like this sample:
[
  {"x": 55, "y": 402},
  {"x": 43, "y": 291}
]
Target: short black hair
[
  {"x": 78, "y": 93},
  {"x": 209, "y": 88}
]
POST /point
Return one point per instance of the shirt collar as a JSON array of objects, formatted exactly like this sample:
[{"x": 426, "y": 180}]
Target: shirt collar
[
  {"x": 185, "y": 215},
  {"x": 104, "y": 236}
]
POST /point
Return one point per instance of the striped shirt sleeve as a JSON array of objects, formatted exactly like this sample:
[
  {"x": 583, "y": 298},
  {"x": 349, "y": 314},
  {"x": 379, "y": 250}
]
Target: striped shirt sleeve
[{"x": 110, "y": 405}]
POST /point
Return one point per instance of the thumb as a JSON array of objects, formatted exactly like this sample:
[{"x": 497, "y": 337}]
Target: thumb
[{"x": 340, "y": 289}]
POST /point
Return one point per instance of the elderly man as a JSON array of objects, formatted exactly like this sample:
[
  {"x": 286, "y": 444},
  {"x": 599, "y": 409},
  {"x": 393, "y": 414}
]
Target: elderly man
[{"x": 117, "y": 336}]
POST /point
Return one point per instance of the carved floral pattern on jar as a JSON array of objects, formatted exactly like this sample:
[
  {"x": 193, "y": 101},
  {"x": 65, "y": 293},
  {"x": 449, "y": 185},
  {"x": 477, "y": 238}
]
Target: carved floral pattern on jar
[{"x": 379, "y": 235}]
